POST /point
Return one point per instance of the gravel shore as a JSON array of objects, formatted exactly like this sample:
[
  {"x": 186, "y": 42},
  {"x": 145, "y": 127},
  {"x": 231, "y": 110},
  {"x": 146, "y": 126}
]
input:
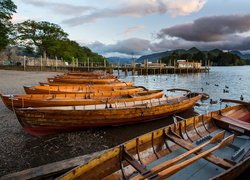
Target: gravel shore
[{"x": 19, "y": 150}]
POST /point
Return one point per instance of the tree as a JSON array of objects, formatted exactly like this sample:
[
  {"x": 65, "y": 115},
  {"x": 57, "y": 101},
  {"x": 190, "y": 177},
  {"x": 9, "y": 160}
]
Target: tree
[
  {"x": 7, "y": 8},
  {"x": 40, "y": 34}
]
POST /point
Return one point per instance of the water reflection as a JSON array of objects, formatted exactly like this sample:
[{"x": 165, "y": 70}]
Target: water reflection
[{"x": 237, "y": 79}]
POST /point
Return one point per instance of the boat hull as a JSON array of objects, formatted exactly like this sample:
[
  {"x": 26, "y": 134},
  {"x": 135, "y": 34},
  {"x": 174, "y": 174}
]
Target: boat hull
[
  {"x": 55, "y": 120},
  {"x": 114, "y": 84},
  {"x": 46, "y": 100},
  {"x": 81, "y": 90},
  {"x": 83, "y": 80}
]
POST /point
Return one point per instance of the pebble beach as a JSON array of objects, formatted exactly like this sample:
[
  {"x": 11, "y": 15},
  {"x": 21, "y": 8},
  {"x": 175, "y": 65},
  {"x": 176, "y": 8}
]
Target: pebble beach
[{"x": 19, "y": 150}]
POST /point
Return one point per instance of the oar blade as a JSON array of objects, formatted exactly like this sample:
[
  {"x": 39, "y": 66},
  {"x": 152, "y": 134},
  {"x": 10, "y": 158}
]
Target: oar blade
[
  {"x": 217, "y": 137},
  {"x": 228, "y": 140}
]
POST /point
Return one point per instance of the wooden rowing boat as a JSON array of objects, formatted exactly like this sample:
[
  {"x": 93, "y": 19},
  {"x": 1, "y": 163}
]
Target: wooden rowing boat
[
  {"x": 83, "y": 80},
  {"x": 73, "y": 89},
  {"x": 94, "y": 76},
  {"x": 114, "y": 84},
  {"x": 43, "y": 100},
  {"x": 94, "y": 73},
  {"x": 230, "y": 168},
  {"x": 196, "y": 148},
  {"x": 46, "y": 120}
]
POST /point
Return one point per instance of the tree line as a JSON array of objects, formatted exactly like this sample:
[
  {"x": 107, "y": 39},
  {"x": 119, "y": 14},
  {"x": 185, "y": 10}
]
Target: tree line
[
  {"x": 215, "y": 57},
  {"x": 41, "y": 38}
]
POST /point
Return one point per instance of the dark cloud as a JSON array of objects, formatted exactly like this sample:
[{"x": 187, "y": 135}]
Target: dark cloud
[
  {"x": 214, "y": 28},
  {"x": 60, "y": 8},
  {"x": 233, "y": 43},
  {"x": 136, "y": 46}
]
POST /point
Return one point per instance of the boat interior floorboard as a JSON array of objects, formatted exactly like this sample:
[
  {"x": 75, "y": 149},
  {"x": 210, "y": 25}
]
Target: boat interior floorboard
[{"x": 203, "y": 169}]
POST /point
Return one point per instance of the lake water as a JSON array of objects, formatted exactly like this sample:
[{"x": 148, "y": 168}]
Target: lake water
[
  {"x": 237, "y": 79},
  {"x": 20, "y": 150}
]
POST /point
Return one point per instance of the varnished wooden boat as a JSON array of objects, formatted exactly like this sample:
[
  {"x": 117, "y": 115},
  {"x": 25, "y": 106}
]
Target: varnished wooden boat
[
  {"x": 45, "y": 120},
  {"x": 93, "y": 76},
  {"x": 205, "y": 125},
  {"x": 83, "y": 80},
  {"x": 93, "y": 73},
  {"x": 43, "y": 100},
  {"x": 73, "y": 89},
  {"x": 202, "y": 147},
  {"x": 114, "y": 84}
]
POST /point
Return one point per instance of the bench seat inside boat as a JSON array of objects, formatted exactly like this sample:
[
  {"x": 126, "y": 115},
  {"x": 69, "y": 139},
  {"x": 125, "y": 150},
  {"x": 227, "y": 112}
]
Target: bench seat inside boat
[{"x": 203, "y": 169}]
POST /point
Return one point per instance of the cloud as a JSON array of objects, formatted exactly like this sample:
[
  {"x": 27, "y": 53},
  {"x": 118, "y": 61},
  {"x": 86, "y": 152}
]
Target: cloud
[
  {"x": 18, "y": 19},
  {"x": 137, "y": 47},
  {"x": 132, "y": 29},
  {"x": 213, "y": 28},
  {"x": 139, "y": 8},
  {"x": 60, "y": 8},
  {"x": 131, "y": 46},
  {"x": 234, "y": 43}
]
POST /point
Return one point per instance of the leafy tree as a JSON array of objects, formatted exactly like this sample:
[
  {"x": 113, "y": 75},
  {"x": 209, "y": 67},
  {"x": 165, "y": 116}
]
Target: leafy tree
[
  {"x": 52, "y": 41},
  {"x": 186, "y": 56},
  {"x": 7, "y": 8},
  {"x": 40, "y": 34}
]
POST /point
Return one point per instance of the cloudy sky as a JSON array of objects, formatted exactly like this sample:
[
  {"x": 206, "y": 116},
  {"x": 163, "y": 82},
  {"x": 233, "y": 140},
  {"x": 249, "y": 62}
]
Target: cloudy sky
[{"x": 139, "y": 27}]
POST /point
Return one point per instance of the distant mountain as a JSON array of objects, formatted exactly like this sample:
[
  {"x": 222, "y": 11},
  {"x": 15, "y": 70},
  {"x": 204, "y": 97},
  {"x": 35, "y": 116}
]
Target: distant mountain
[
  {"x": 216, "y": 56},
  {"x": 215, "y": 52},
  {"x": 153, "y": 57},
  {"x": 121, "y": 60},
  {"x": 241, "y": 55},
  {"x": 192, "y": 50}
]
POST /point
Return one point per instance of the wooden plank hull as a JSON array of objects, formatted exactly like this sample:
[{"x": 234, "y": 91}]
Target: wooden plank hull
[
  {"x": 46, "y": 100},
  {"x": 97, "y": 74},
  {"x": 81, "y": 89},
  {"x": 83, "y": 80},
  {"x": 143, "y": 157},
  {"x": 115, "y": 84},
  {"x": 56, "y": 119},
  {"x": 94, "y": 76}
]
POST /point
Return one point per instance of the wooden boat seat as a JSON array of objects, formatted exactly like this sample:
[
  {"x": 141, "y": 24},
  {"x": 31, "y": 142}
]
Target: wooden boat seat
[
  {"x": 245, "y": 118},
  {"x": 233, "y": 124},
  {"x": 241, "y": 114}
]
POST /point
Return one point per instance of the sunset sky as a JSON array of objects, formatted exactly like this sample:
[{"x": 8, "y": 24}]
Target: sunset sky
[{"x": 138, "y": 27}]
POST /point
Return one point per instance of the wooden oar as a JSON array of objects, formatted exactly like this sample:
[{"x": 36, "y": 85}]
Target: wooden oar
[
  {"x": 170, "y": 162},
  {"x": 175, "y": 168}
]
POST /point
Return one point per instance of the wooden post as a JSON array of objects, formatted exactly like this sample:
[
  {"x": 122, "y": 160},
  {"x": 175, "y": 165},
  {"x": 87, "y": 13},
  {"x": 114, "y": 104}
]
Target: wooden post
[
  {"x": 24, "y": 62},
  {"x": 119, "y": 68},
  {"x": 41, "y": 63},
  {"x": 187, "y": 66},
  {"x": 56, "y": 63},
  {"x": 201, "y": 65},
  {"x": 88, "y": 63},
  {"x": 160, "y": 67},
  {"x": 104, "y": 62},
  {"x": 174, "y": 66}
]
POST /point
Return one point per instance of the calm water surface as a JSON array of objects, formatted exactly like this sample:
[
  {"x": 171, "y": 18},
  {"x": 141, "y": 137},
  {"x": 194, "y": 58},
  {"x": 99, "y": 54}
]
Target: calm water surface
[
  {"x": 23, "y": 151},
  {"x": 236, "y": 78}
]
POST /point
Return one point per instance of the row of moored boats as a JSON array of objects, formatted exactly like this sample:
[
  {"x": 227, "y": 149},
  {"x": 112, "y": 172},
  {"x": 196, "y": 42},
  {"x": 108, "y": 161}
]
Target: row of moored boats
[
  {"x": 78, "y": 100},
  {"x": 214, "y": 145}
]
